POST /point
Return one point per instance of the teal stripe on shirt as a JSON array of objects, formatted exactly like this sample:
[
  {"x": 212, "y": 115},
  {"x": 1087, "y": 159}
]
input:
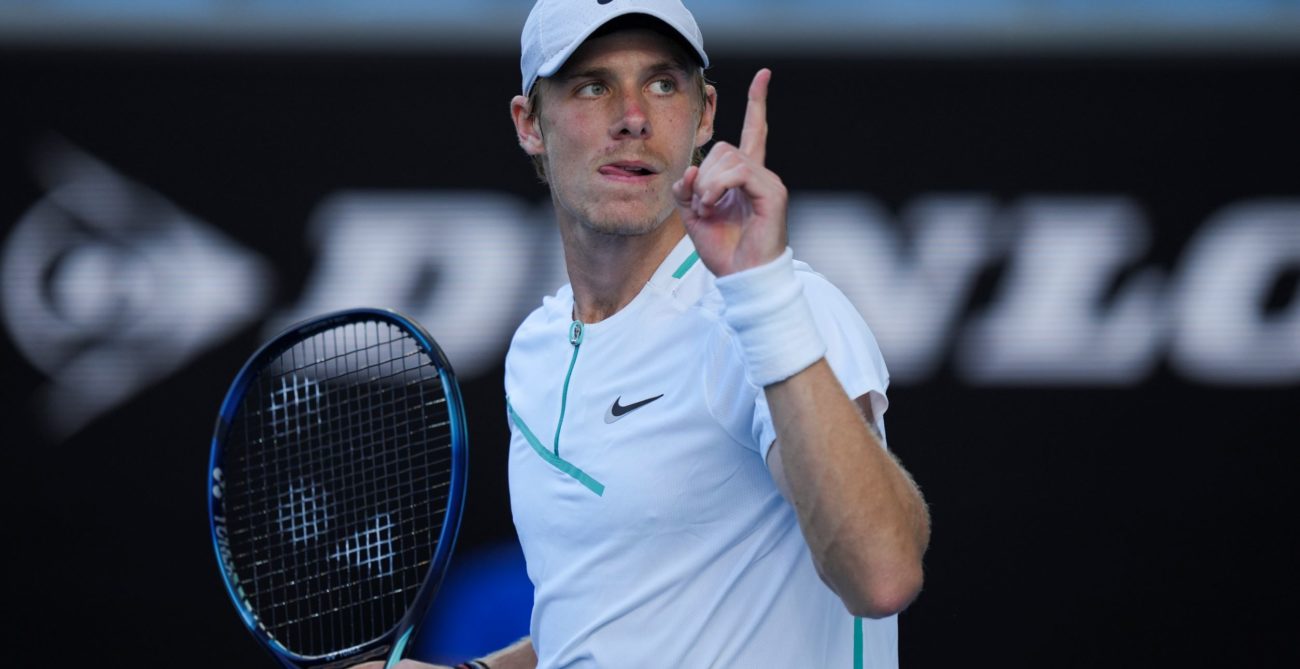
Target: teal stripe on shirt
[{"x": 555, "y": 460}]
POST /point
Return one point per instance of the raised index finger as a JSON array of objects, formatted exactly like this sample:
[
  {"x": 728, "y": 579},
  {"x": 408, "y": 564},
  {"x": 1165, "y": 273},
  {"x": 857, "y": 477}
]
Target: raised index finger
[{"x": 753, "y": 136}]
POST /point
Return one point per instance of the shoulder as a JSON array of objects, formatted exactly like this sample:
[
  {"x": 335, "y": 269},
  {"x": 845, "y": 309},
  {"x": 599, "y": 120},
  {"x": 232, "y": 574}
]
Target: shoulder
[
  {"x": 551, "y": 314},
  {"x": 852, "y": 350},
  {"x": 553, "y": 307},
  {"x": 699, "y": 290},
  {"x": 690, "y": 290},
  {"x": 820, "y": 292}
]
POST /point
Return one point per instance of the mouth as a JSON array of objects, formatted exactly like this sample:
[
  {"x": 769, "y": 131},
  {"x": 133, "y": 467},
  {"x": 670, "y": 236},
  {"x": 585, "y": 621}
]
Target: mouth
[{"x": 628, "y": 170}]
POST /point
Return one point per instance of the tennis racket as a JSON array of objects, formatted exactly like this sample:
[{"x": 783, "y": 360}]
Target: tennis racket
[{"x": 336, "y": 482}]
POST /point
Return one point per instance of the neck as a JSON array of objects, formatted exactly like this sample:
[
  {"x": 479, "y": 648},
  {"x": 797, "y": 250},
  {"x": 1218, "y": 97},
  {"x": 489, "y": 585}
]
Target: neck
[{"x": 608, "y": 271}]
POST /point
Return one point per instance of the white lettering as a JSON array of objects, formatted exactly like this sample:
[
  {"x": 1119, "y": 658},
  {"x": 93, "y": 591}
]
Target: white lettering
[
  {"x": 1051, "y": 322},
  {"x": 1223, "y": 334},
  {"x": 108, "y": 287},
  {"x": 909, "y": 287}
]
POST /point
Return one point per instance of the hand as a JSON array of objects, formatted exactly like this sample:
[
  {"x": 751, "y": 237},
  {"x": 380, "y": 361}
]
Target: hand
[{"x": 734, "y": 207}]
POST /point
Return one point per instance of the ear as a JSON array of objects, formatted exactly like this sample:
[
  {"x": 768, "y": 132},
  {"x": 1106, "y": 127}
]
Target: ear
[
  {"x": 705, "y": 132},
  {"x": 527, "y": 126}
]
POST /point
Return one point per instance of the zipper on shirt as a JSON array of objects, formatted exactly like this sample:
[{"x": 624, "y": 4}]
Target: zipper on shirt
[{"x": 575, "y": 340}]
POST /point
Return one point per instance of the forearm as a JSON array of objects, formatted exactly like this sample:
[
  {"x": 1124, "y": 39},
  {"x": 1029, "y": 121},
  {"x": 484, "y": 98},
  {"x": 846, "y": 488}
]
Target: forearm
[
  {"x": 519, "y": 655},
  {"x": 862, "y": 516}
]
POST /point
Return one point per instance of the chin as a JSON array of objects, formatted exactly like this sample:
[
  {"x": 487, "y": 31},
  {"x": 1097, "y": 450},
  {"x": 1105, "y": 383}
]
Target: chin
[
  {"x": 623, "y": 228},
  {"x": 626, "y": 223}
]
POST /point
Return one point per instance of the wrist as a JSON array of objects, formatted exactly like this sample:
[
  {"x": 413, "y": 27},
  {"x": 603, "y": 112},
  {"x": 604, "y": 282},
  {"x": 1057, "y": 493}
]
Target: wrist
[{"x": 766, "y": 308}]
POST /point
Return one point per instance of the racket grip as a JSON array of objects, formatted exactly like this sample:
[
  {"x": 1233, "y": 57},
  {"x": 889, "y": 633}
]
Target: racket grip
[{"x": 399, "y": 648}]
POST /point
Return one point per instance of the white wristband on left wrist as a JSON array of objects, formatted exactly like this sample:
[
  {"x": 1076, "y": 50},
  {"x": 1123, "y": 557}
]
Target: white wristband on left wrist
[{"x": 774, "y": 326}]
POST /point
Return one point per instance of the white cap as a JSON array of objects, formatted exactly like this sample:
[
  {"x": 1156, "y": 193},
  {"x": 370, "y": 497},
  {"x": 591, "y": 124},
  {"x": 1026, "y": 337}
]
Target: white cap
[{"x": 556, "y": 28}]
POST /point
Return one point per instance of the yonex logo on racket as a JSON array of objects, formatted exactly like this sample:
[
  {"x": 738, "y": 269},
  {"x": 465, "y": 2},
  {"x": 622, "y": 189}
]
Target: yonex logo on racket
[
  {"x": 302, "y": 513},
  {"x": 295, "y": 406},
  {"x": 373, "y": 547}
]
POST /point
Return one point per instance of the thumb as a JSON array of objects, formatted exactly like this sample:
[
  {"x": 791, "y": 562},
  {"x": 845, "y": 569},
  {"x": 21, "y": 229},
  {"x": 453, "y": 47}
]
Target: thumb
[{"x": 684, "y": 189}]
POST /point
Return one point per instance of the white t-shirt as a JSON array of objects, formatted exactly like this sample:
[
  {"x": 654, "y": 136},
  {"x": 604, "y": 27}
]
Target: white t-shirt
[{"x": 653, "y": 531}]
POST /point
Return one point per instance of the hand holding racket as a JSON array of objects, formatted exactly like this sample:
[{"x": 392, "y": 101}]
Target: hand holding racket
[{"x": 336, "y": 482}]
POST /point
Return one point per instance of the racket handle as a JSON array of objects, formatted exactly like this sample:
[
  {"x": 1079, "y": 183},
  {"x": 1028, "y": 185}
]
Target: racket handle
[{"x": 399, "y": 648}]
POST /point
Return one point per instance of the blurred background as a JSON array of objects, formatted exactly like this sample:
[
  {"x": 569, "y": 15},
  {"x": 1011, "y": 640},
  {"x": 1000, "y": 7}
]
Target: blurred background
[{"x": 1073, "y": 226}]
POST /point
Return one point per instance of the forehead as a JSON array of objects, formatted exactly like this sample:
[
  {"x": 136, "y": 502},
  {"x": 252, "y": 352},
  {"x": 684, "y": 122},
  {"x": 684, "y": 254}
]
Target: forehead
[{"x": 632, "y": 45}]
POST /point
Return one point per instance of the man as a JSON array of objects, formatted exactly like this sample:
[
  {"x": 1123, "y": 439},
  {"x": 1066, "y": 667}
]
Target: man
[{"x": 697, "y": 472}]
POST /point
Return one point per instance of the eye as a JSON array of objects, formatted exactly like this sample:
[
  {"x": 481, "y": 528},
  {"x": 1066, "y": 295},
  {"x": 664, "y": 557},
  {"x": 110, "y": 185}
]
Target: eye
[
  {"x": 663, "y": 86},
  {"x": 591, "y": 90}
]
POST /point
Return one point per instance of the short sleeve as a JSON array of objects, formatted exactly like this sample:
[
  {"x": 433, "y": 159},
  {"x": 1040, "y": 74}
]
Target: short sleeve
[{"x": 851, "y": 351}]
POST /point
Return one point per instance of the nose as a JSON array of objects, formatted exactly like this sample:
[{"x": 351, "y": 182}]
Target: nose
[{"x": 632, "y": 123}]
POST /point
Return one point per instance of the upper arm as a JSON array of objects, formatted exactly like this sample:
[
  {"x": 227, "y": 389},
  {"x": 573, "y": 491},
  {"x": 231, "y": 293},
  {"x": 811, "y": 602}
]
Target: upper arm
[
  {"x": 853, "y": 356},
  {"x": 777, "y": 467}
]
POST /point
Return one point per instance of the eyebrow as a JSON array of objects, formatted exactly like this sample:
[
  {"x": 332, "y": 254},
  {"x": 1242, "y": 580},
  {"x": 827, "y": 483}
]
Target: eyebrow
[{"x": 606, "y": 73}]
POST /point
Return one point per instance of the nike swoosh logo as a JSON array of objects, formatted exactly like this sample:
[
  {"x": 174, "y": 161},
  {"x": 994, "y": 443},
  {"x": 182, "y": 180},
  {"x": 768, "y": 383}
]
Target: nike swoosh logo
[{"x": 617, "y": 411}]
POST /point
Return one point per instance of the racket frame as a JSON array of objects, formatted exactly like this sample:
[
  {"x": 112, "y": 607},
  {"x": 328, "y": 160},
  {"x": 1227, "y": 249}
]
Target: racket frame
[{"x": 393, "y": 643}]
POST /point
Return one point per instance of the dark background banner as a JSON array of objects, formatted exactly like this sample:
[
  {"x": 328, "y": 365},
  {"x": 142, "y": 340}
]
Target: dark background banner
[{"x": 1082, "y": 271}]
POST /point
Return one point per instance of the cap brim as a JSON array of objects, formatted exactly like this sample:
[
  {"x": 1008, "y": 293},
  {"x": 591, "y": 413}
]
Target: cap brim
[{"x": 557, "y": 61}]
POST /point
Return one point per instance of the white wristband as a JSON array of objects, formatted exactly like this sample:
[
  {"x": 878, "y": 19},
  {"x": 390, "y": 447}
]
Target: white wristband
[{"x": 766, "y": 308}]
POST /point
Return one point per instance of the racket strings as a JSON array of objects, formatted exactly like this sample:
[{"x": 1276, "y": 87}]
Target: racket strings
[
  {"x": 415, "y": 354},
  {"x": 267, "y": 583},
  {"x": 341, "y": 486},
  {"x": 362, "y": 454},
  {"x": 302, "y": 395},
  {"x": 296, "y": 510},
  {"x": 271, "y": 488},
  {"x": 265, "y": 497}
]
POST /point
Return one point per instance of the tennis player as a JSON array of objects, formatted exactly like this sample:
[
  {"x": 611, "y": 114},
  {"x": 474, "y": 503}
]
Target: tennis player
[{"x": 698, "y": 474}]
